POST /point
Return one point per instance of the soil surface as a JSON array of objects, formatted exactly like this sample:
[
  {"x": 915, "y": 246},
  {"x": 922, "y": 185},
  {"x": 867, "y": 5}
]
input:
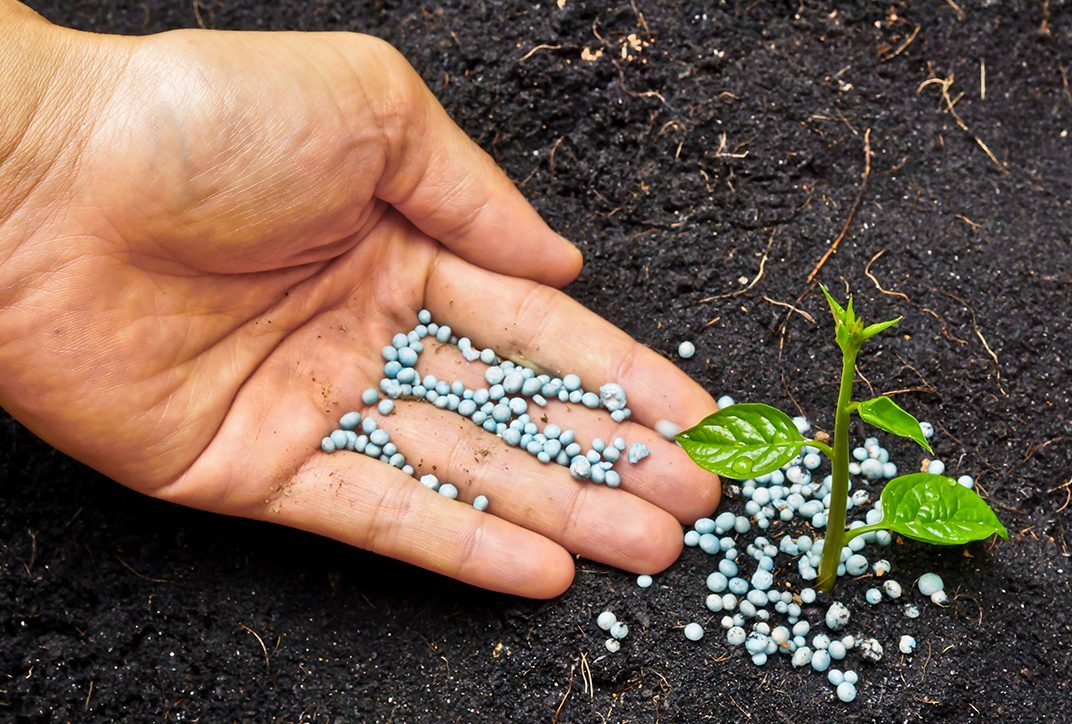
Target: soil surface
[{"x": 704, "y": 161}]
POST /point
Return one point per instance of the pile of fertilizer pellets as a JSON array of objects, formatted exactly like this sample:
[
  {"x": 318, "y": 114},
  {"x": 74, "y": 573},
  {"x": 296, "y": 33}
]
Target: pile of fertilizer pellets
[
  {"x": 767, "y": 616},
  {"x": 502, "y": 408}
]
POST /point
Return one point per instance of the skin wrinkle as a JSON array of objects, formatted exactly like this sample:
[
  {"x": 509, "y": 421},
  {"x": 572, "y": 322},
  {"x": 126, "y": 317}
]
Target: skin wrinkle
[
  {"x": 470, "y": 544},
  {"x": 459, "y": 193},
  {"x": 357, "y": 88},
  {"x": 389, "y": 514},
  {"x": 568, "y": 528},
  {"x": 395, "y": 117},
  {"x": 625, "y": 369},
  {"x": 531, "y": 321}
]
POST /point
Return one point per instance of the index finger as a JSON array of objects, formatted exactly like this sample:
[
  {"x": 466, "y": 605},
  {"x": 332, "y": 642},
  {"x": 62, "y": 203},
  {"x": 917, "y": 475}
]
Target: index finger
[{"x": 536, "y": 325}]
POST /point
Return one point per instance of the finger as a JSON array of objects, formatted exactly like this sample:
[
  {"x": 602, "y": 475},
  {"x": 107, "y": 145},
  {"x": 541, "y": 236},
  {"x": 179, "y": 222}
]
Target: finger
[
  {"x": 595, "y": 521},
  {"x": 667, "y": 477},
  {"x": 536, "y": 325},
  {"x": 452, "y": 190},
  {"x": 366, "y": 503}
]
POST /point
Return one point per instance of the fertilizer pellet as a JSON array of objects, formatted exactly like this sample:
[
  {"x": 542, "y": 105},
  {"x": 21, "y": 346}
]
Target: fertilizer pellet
[
  {"x": 694, "y": 632},
  {"x": 930, "y": 583}
]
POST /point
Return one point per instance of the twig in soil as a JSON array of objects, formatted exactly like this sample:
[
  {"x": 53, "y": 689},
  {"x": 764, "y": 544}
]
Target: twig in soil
[
  {"x": 841, "y": 116},
  {"x": 640, "y": 17},
  {"x": 924, "y": 672},
  {"x": 1006, "y": 507},
  {"x": 539, "y": 47},
  {"x": 944, "y": 84},
  {"x": 927, "y": 388},
  {"x": 945, "y": 330},
  {"x": 670, "y": 124},
  {"x": 263, "y": 647},
  {"x": 901, "y": 47},
  {"x": 531, "y": 174},
  {"x": 967, "y": 221},
  {"x": 86, "y": 707},
  {"x": 899, "y": 166},
  {"x": 565, "y": 696},
  {"x": 1068, "y": 494},
  {"x": 784, "y": 324},
  {"x": 197, "y": 14},
  {"x": 866, "y": 381},
  {"x": 645, "y": 94},
  {"x": 992, "y": 156},
  {"x": 33, "y": 552},
  {"x": 739, "y": 708},
  {"x": 722, "y": 153},
  {"x": 852, "y": 211},
  {"x": 751, "y": 284},
  {"x": 1064, "y": 79},
  {"x": 1032, "y": 449},
  {"x": 551, "y": 156},
  {"x": 586, "y": 676},
  {"x": 596, "y": 33},
  {"x": 710, "y": 323},
  {"x": 791, "y": 308},
  {"x": 906, "y": 390},
  {"x": 154, "y": 580},
  {"x": 791, "y": 398},
  {"x": 997, "y": 368},
  {"x": 958, "y": 596},
  {"x": 960, "y": 13},
  {"x": 867, "y": 272},
  {"x": 982, "y": 80}
]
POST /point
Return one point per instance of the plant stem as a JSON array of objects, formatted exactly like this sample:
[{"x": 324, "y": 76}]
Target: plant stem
[{"x": 839, "y": 490}]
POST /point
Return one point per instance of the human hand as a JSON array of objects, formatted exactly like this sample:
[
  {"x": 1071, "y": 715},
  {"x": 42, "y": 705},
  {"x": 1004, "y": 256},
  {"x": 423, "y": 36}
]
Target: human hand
[{"x": 213, "y": 238}]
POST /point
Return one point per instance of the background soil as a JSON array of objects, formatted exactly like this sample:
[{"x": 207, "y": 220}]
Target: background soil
[{"x": 704, "y": 140}]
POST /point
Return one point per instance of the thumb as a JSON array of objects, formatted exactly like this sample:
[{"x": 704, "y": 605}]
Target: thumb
[{"x": 453, "y": 191}]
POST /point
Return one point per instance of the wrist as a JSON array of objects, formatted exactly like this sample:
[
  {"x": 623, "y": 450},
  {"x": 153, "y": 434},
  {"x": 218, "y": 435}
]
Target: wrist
[{"x": 43, "y": 89}]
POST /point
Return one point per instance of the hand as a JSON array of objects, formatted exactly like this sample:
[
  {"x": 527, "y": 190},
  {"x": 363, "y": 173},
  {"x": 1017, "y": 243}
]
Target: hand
[{"x": 221, "y": 233}]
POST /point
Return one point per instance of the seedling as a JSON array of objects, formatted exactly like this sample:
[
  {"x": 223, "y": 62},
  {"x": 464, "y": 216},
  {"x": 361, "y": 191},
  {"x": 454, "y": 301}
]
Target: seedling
[{"x": 749, "y": 440}]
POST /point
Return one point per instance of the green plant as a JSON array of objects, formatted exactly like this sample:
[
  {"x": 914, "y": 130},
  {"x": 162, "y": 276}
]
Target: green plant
[{"x": 748, "y": 440}]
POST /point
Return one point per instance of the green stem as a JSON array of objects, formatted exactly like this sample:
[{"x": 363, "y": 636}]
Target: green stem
[
  {"x": 823, "y": 448},
  {"x": 839, "y": 490},
  {"x": 873, "y": 528}
]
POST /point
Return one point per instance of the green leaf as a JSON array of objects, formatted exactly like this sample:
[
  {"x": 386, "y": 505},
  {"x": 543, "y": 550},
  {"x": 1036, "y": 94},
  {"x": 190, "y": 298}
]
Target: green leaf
[
  {"x": 837, "y": 309},
  {"x": 743, "y": 441},
  {"x": 936, "y": 509},
  {"x": 884, "y": 413},
  {"x": 873, "y": 329}
]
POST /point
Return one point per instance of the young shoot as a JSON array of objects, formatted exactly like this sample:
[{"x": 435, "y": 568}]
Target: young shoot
[{"x": 748, "y": 440}]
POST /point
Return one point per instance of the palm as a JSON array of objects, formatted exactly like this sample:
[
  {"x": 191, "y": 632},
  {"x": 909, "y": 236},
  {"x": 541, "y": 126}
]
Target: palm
[{"x": 235, "y": 270}]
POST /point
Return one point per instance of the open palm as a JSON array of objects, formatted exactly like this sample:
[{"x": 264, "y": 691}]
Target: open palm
[{"x": 232, "y": 227}]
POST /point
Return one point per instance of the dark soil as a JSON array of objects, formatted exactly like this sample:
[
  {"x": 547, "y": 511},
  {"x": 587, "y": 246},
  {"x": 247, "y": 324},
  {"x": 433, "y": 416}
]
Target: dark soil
[{"x": 728, "y": 135}]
